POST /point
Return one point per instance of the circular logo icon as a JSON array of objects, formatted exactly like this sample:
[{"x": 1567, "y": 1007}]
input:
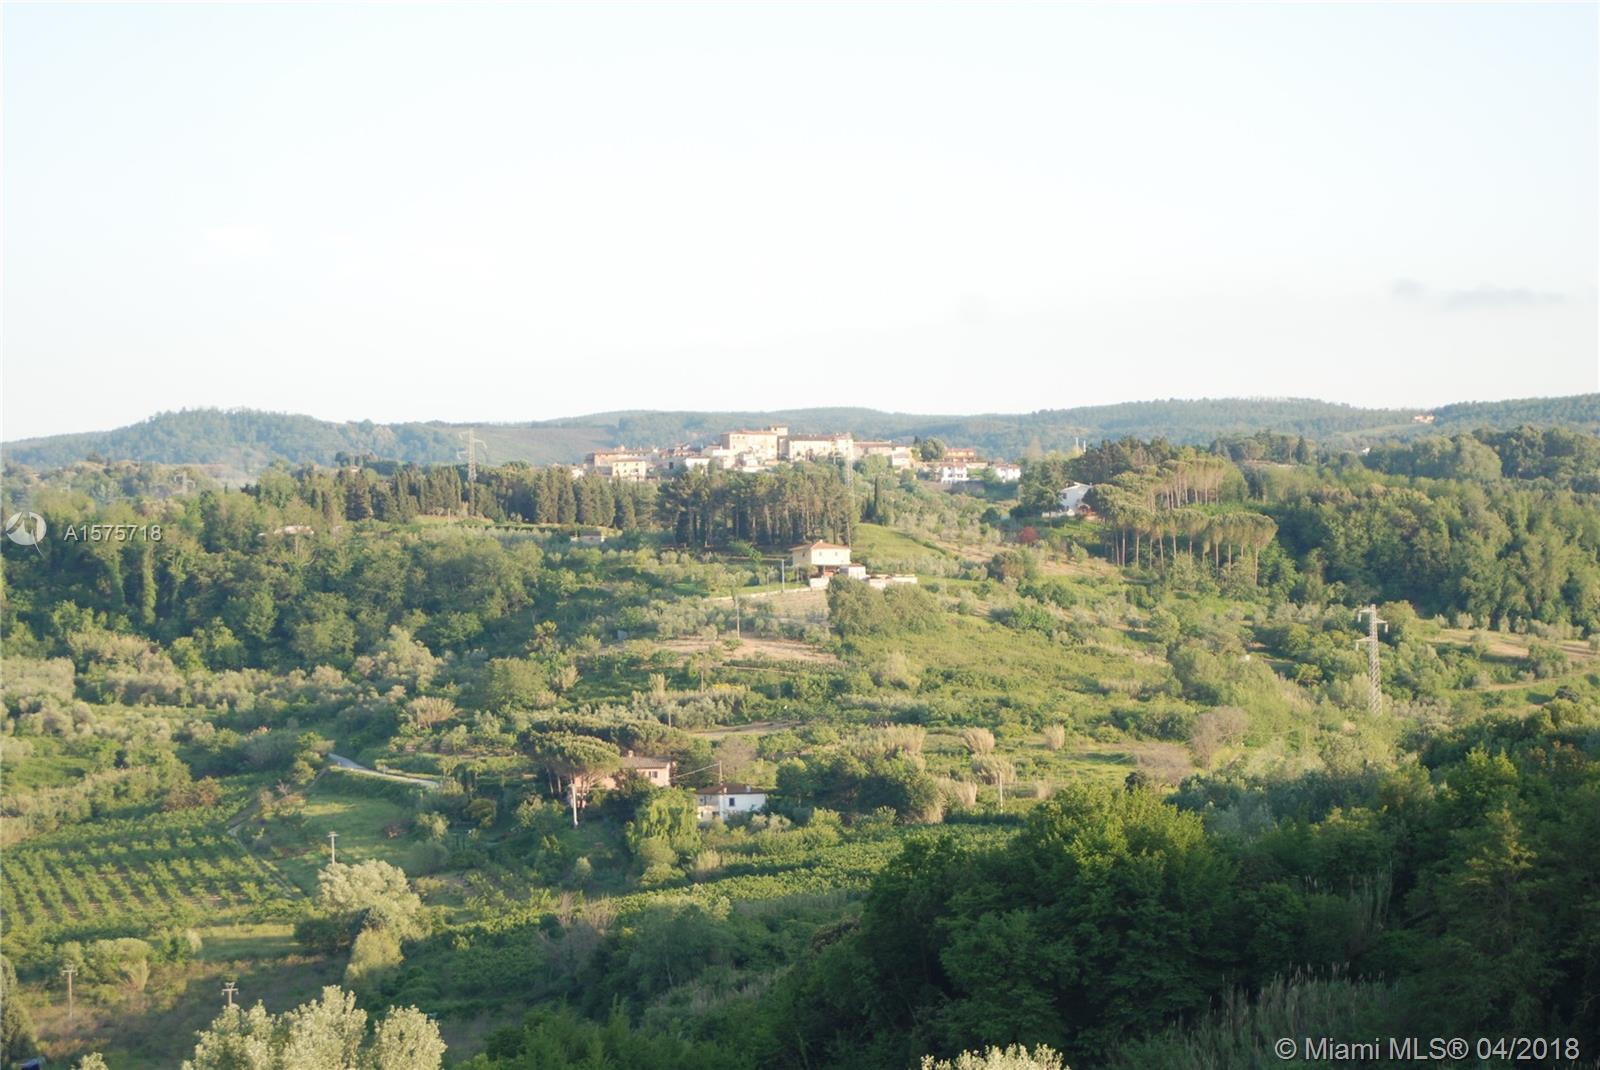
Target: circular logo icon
[{"x": 25, "y": 529}]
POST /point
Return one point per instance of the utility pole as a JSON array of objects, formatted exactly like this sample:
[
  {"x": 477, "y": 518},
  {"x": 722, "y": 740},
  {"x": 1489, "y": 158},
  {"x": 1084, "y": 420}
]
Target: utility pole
[
  {"x": 227, "y": 993},
  {"x": 333, "y": 853},
  {"x": 68, "y": 971},
  {"x": 1374, "y": 678}
]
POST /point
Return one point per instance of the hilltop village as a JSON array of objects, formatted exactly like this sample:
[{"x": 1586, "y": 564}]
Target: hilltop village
[{"x": 761, "y": 449}]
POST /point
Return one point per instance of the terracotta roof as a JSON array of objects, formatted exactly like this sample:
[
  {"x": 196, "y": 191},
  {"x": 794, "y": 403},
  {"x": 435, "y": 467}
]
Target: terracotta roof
[
  {"x": 636, "y": 761},
  {"x": 730, "y": 789}
]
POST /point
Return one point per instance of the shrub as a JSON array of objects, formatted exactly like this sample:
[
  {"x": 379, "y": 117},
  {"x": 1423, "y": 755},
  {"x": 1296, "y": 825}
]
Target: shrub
[
  {"x": 427, "y": 711},
  {"x": 902, "y": 739},
  {"x": 375, "y": 953},
  {"x": 483, "y": 811},
  {"x": 1015, "y": 1057},
  {"x": 959, "y": 793},
  {"x": 1009, "y": 565},
  {"x": 1545, "y": 660},
  {"x": 1030, "y": 616},
  {"x": 894, "y": 669},
  {"x": 377, "y": 892},
  {"x": 979, "y": 741},
  {"x": 1213, "y": 730}
]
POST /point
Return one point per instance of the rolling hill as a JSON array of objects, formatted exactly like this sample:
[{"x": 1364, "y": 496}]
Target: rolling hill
[{"x": 246, "y": 441}]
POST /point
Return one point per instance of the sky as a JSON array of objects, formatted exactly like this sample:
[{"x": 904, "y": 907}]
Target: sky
[{"x": 513, "y": 212}]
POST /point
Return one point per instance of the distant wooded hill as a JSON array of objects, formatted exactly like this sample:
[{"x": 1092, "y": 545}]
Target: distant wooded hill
[{"x": 245, "y": 441}]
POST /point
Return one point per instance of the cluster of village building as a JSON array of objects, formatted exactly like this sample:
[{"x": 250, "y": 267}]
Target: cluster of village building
[{"x": 758, "y": 449}]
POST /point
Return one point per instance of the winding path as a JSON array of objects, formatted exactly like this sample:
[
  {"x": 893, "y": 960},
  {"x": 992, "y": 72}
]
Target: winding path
[{"x": 341, "y": 762}]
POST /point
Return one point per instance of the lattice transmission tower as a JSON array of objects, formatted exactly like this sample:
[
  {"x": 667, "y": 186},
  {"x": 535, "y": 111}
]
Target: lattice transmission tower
[
  {"x": 472, "y": 441},
  {"x": 1374, "y": 677}
]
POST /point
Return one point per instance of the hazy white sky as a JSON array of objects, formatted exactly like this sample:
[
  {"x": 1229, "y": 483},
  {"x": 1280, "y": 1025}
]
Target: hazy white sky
[{"x": 478, "y": 212}]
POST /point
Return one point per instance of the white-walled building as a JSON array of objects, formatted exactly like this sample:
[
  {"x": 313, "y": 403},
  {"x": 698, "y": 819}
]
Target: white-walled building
[
  {"x": 818, "y": 562},
  {"x": 763, "y": 443},
  {"x": 819, "y": 447},
  {"x": 1071, "y": 497},
  {"x": 949, "y": 474},
  {"x": 1004, "y": 472},
  {"x": 819, "y": 554},
  {"x": 620, "y": 464},
  {"x": 633, "y": 469},
  {"x": 726, "y": 800}
]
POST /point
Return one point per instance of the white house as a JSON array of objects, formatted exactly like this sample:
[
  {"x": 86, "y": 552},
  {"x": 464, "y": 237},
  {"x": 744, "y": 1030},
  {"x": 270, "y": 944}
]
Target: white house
[
  {"x": 1005, "y": 473},
  {"x": 953, "y": 473},
  {"x": 1071, "y": 497},
  {"x": 725, "y": 800},
  {"x": 819, "y": 554}
]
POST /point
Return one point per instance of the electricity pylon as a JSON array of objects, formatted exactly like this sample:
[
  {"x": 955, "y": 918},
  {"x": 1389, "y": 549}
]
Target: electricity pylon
[
  {"x": 473, "y": 442},
  {"x": 1374, "y": 677},
  {"x": 471, "y": 451}
]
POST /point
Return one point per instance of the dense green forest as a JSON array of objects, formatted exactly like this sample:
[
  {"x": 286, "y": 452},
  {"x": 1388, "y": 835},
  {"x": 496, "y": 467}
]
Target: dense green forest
[
  {"x": 360, "y": 741},
  {"x": 242, "y": 442}
]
